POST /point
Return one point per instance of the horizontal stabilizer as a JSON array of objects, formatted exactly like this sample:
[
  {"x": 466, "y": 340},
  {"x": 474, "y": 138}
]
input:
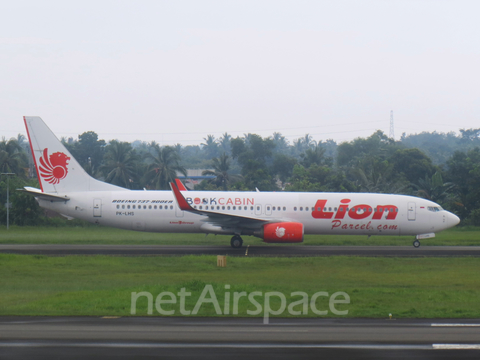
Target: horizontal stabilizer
[{"x": 41, "y": 195}]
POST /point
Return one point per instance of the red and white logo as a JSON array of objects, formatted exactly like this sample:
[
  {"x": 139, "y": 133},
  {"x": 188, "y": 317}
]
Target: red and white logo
[
  {"x": 280, "y": 232},
  {"x": 53, "y": 168}
]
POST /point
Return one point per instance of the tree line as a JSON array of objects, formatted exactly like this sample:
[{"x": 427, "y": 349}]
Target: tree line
[{"x": 442, "y": 167}]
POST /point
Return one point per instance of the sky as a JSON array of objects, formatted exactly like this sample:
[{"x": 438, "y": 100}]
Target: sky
[{"x": 177, "y": 71}]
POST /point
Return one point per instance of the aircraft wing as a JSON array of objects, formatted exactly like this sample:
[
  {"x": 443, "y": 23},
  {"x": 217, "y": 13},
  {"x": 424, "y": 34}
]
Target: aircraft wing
[
  {"x": 41, "y": 195},
  {"x": 221, "y": 220}
]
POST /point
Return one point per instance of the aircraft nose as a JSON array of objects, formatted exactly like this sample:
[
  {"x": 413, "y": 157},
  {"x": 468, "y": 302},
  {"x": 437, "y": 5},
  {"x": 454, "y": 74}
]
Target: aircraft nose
[{"x": 453, "y": 219}]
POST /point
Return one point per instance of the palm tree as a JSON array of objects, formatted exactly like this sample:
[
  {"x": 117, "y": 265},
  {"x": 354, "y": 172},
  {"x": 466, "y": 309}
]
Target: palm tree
[
  {"x": 13, "y": 158},
  {"x": 165, "y": 164},
  {"x": 224, "y": 142},
  {"x": 434, "y": 188},
  {"x": 247, "y": 138},
  {"x": 221, "y": 166},
  {"x": 308, "y": 141},
  {"x": 120, "y": 164},
  {"x": 378, "y": 183},
  {"x": 281, "y": 143},
  {"x": 210, "y": 146},
  {"x": 313, "y": 156}
]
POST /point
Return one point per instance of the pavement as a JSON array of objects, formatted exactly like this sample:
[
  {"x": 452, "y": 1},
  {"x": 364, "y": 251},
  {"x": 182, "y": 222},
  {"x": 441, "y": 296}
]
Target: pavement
[
  {"x": 237, "y": 338},
  {"x": 288, "y": 251}
]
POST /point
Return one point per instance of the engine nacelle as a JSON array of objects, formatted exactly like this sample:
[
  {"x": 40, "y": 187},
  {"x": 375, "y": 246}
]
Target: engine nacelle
[{"x": 283, "y": 232}]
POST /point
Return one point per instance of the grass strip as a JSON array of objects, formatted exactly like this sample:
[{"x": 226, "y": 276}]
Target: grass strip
[
  {"x": 102, "y": 285},
  {"x": 466, "y": 236}
]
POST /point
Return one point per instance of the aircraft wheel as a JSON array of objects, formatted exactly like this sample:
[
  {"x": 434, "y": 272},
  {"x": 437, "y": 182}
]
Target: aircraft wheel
[
  {"x": 236, "y": 242},
  {"x": 416, "y": 243}
]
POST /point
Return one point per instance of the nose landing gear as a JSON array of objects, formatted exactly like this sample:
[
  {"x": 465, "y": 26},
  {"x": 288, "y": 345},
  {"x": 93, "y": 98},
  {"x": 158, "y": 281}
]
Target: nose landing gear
[
  {"x": 236, "y": 242},
  {"x": 416, "y": 243}
]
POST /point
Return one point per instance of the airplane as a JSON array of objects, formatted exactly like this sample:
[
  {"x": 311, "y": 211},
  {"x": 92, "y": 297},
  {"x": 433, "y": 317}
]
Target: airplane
[{"x": 275, "y": 217}]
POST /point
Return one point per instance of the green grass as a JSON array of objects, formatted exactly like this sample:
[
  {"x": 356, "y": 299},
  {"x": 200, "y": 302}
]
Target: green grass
[
  {"x": 102, "y": 285},
  {"x": 105, "y": 235}
]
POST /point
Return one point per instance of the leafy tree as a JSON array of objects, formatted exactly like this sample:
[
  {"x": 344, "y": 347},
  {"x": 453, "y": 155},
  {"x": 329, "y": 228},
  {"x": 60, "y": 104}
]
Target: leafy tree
[
  {"x": 283, "y": 166},
  {"x": 89, "y": 151},
  {"x": 378, "y": 145},
  {"x": 254, "y": 154},
  {"x": 319, "y": 178},
  {"x": 13, "y": 158},
  {"x": 413, "y": 164},
  {"x": 470, "y": 135},
  {"x": 463, "y": 170}
]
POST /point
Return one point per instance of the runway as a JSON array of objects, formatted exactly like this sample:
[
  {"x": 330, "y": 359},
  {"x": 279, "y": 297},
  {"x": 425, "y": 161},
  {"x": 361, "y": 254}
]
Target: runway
[
  {"x": 276, "y": 251},
  {"x": 235, "y": 338}
]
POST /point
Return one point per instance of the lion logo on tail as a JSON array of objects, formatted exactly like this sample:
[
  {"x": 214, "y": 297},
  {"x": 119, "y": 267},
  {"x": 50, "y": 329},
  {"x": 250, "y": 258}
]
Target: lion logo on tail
[{"x": 53, "y": 168}]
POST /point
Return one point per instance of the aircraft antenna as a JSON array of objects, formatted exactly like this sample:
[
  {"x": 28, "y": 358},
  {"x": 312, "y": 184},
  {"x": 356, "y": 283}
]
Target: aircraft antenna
[{"x": 392, "y": 131}]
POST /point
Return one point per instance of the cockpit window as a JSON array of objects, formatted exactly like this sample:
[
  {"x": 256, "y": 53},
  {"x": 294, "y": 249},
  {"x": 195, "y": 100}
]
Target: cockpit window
[{"x": 434, "y": 208}]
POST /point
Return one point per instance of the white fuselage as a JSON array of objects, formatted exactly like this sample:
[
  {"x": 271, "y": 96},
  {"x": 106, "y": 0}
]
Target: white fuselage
[{"x": 320, "y": 213}]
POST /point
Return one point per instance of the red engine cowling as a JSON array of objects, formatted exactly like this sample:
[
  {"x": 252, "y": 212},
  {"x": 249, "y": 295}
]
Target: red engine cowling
[{"x": 285, "y": 232}]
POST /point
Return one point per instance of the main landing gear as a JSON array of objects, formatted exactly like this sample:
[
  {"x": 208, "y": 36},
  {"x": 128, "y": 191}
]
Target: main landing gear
[
  {"x": 416, "y": 243},
  {"x": 236, "y": 242}
]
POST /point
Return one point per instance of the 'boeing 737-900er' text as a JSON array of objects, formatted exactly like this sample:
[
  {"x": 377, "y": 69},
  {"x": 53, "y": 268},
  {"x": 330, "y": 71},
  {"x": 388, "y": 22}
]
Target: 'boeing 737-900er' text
[{"x": 282, "y": 217}]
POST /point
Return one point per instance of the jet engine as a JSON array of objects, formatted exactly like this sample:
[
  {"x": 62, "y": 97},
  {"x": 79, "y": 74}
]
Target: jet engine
[{"x": 282, "y": 232}]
